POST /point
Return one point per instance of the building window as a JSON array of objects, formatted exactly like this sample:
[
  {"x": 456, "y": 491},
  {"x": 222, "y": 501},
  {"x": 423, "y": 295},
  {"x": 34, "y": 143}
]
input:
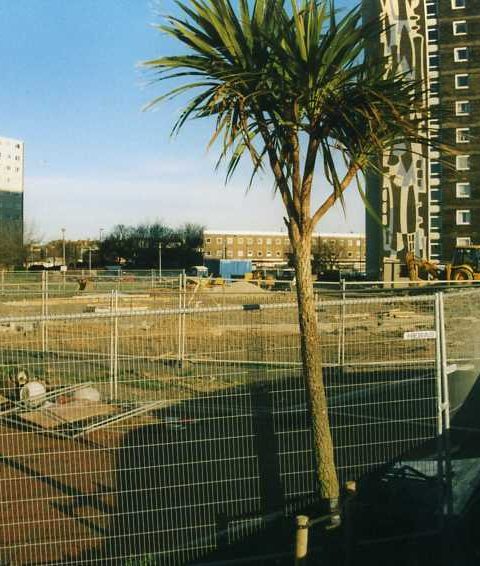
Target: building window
[
  {"x": 435, "y": 195},
  {"x": 433, "y": 125},
  {"x": 208, "y": 240},
  {"x": 432, "y": 35},
  {"x": 259, "y": 240},
  {"x": 434, "y": 87},
  {"x": 269, "y": 253},
  {"x": 464, "y": 241},
  {"x": 240, "y": 253},
  {"x": 207, "y": 254},
  {"x": 278, "y": 254},
  {"x": 431, "y": 10},
  {"x": 250, "y": 241},
  {"x": 462, "y": 81},
  {"x": 435, "y": 222},
  {"x": 219, "y": 253},
  {"x": 259, "y": 254},
  {"x": 269, "y": 240},
  {"x": 435, "y": 168},
  {"x": 278, "y": 241},
  {"x": 460, "y": 27},
  {"x": 433, "y": 61},
  {"x": 240, "y": 241},
  {"x": 219, "y": 240},
  {"x": 462, "y": 107},
  {"x": 458, "y": 4},
  {"x": 460, "y": 54},
  {"x": 249, "y": 253},
  {"x": 229, "y": 253},
  {"x": 462, "y": 135},
  {"x": 359, "y": 243},
  {"x": 463, "y": 162},
  {"x": 463, "y": 190},
  {"x": 229, "y": 240},
  {"x": 464, "y": 217}
]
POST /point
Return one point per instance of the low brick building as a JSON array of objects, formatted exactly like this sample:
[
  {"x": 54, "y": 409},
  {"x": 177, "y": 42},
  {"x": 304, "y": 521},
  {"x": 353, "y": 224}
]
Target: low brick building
[{"x": 266, "y": 249}]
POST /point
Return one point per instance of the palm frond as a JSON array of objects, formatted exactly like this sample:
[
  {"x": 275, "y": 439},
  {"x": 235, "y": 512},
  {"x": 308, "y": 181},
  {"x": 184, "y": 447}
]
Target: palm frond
[{"x": 271, "y": 71}]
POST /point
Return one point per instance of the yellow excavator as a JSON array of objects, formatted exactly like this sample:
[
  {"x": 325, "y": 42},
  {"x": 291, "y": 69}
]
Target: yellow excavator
[{"x": 465, "y": 266}]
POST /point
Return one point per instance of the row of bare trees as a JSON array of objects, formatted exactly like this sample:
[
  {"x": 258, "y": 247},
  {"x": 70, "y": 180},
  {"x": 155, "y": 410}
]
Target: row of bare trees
[{"x": 146, "y": 245}]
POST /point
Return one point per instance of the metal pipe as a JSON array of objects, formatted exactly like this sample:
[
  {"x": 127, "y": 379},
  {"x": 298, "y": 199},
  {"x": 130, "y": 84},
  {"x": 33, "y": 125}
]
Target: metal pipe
[{"x": 63, "y": 246}]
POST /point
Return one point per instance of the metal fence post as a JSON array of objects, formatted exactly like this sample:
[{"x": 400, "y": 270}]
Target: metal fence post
[
  {"x": 44, "y": 311},
  {"x": 184, "y": 277},
  {"x": 341, "y": 337},
  {"x": 181, "y": 318},
  {"x": 445, "y": 403},
  {"x": 439, "y": 394},
  {"x": 179, "y": 337},
  {"x": 114, "y": 345}
]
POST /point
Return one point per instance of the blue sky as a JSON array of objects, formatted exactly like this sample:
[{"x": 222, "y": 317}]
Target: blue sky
[{"x": 72, "y": 90}]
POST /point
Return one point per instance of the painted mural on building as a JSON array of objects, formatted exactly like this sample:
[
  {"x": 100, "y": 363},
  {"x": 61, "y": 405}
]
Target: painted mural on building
[{"x": 404, "y": 187}]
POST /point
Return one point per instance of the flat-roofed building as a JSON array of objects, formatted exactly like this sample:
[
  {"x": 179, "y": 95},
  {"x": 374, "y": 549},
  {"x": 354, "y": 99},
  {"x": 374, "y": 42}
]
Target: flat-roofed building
[{"x": 273, "y": 248}]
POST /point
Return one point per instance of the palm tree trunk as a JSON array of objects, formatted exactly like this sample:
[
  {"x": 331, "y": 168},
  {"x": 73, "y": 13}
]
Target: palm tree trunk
[{"x": 312, "y": 369}]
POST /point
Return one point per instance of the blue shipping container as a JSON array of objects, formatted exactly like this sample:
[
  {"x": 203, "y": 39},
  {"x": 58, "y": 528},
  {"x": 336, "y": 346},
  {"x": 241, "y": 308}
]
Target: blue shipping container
[{"x": 228, "y": 268}]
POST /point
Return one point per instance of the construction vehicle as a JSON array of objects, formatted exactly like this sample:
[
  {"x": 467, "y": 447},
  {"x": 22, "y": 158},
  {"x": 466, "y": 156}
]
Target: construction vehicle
[{"x": 465, "y": 266}]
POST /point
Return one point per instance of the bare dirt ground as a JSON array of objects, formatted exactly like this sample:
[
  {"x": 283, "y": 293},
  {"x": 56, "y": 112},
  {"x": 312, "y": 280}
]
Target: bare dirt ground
[{"x": 56, "y": 495}]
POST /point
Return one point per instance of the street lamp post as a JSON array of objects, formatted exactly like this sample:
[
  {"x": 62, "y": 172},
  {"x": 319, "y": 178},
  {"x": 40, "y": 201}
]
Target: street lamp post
[
  {"x": 101, "y": 234},
  {"x": 63, "y": 246}
]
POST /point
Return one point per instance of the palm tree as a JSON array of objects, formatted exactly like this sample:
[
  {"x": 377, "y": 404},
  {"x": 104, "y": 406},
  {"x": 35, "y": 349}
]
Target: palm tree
[{"x": 289, "y": 87}]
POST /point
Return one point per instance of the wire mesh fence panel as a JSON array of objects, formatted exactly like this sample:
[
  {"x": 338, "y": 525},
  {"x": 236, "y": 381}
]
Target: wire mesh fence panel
[
  {"x": 462, "y": 363},
  {"x": 31, "y": 293},
  {"x": 381, "y": 375},
  {"x": 174, "y": 433},
  {"x": 141, "y": 469},
  {"x": 462, "y": 323},
  {"x": 383, "y": 387}
]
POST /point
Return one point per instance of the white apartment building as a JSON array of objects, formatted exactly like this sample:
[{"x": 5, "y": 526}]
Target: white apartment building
[{"x": 11, "y": 181}]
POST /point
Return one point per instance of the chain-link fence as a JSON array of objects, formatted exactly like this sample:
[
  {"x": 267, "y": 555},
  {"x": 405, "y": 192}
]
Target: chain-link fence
[{"x": 175, "y": 433}]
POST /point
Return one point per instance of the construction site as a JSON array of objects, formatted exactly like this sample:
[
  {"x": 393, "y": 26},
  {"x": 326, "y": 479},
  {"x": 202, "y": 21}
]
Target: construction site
[{"x": 163, "y": 420}]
